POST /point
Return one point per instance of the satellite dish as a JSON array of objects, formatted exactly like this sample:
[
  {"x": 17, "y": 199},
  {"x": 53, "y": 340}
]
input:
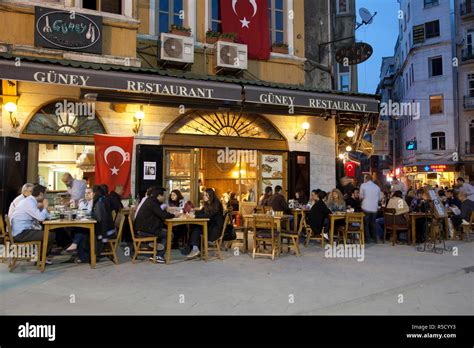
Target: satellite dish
[{"x": 366, "y": 16}]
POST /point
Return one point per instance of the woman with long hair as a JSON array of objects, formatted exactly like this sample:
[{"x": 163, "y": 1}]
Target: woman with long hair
[
  {"x": 213, "y": 211},
  {"x": 336, "y": 202},
  {"x": 176, "y": 199}
]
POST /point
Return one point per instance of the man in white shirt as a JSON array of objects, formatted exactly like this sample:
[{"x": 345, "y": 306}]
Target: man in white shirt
[
  {"x": 370, "y": 196},
  {"x": 397, "y": 185},
  {"x": 88, "y": 202},
  {"x": 467, "y": 188},
  {"x": 25, "y": 192},
  {"x": 76, "y": 188},
  {"x": 26, "y": 217}
]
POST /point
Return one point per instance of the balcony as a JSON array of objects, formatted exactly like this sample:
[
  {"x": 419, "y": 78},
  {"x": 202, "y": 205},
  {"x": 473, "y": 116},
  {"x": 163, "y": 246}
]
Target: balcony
[
  {"x": 467, "y": 54},
  {"x": 466, "y": 9}
]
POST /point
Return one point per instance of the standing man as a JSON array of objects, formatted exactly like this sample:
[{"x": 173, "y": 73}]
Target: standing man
[
  {"x": 25, "y": 192},
  {"x": 467, "y": 188},
  {"x": 397, "y": 185},
  {"x": 76, "y": 188},
  {"x": 370, "y": 196}
]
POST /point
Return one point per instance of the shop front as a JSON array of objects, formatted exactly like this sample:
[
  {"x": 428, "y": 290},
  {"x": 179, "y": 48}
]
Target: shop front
[
  {"x": 193, "y": 132},
  {"x": 419, "y": 175}
]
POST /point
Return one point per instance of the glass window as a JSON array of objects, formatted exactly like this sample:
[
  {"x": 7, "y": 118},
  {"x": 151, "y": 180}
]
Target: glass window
[
  {"x": 432, "y": 29},
  {"x": 470, "y": 83},
  {"x": 438, "y": 141},
  {"x": 276, "y": 10},
  {"x": 169, "y": 12},
  {"x": 435, "y": 66},
  {"x": 342, "y": 6},
  {"x": 344, "y": 73},
  {"x": 429, "y": 3},
  {"x": 471, "y": 138},
  {"x": 216, "y": 22},
  {"x": 110, "y": 6},
  {"x": 436, "y": 104}
]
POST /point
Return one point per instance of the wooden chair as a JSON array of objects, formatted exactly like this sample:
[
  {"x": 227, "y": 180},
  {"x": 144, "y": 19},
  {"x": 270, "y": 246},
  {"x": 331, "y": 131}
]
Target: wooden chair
[
  {"x": 246, "y": 208},
  {"x": 265, "y": 232},
  {"x": 311, "y": 236},
  {"x": 390, "y": 225},
  {"x": 291, "y": 238},
  {"x": 267, "y": 208},
  {"x": 217, "y": 244},
  {"x": 3, "y": 238},
  {"x": 137, "y": 243},
  {"x": 112, "y": 244},
  {"x": 18, "y": 245},
  {"x": 354, "y": 226},
  {"x": 465, "y": 230},
  {"x": 114, "y": 215}
]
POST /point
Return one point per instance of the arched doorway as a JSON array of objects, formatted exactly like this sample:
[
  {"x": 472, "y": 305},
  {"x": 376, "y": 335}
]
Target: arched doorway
[
  {"x": 60, "y": 139},
  {"x": 225, "y": 150}
]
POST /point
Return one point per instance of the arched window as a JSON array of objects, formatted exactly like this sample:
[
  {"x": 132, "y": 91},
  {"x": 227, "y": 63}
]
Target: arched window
[
  {"x": 65, "y": 118},
  {"x": 438, "y": 141}
]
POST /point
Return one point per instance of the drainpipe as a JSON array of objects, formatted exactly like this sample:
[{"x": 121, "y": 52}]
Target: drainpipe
[{"x": 455, "y": 80}]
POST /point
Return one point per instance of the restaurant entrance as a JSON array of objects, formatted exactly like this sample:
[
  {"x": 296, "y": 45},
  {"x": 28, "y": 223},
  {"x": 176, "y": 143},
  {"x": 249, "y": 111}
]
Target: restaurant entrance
[{"x": 231, "y": 152}]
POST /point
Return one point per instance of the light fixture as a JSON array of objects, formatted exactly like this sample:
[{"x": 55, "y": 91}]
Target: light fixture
[
  {"x": 350, "y": 133},
  {"x": 302, "y": 133},
  {"x": 348, "y": 148},
  {"x": 139, "y": 116},
  {"x": 10, "y": 107},
  {"x": 341, "y": 156}
]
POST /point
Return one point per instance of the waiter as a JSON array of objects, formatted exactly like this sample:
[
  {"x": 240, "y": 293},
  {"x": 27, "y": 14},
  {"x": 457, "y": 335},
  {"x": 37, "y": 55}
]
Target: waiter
[{"x": 75, "y": 188}]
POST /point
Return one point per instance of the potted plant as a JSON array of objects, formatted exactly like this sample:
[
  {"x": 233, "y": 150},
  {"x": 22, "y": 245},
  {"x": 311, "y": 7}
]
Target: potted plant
[
  {"x": 179, "y": 30},
  {"x": 228, "y": 37},
  {"x": 212, "y": 36},
  {"x": 280, "y": 47}
]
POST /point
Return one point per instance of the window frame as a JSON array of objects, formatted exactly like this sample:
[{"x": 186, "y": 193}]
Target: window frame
[
  {"x": 123, "y": 5},
  {"x": 342, "y": 74},
  {"x": 430, "y": 66},
  {"x": 210, "y": 19},
  {"x": 438, "y": 136},
  {"x": 432, "y": 3},
  {"x": 436, "y": 33},
  {"x": 272, "y": 21},
  {"x": 338, "y": 9},
  {"x": 469, "y": 78},
  {"x": 442, "y": 104}
]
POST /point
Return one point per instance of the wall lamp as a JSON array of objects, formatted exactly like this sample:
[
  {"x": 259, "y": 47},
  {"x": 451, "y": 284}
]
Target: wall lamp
[
  {"x": 302, "y": 133},
  {"x": 137, "y": 119},
  {"x": 10, "y": 107}
]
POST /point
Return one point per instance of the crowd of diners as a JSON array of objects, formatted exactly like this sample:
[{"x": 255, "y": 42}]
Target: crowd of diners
[{"x": 30, "y": 208}]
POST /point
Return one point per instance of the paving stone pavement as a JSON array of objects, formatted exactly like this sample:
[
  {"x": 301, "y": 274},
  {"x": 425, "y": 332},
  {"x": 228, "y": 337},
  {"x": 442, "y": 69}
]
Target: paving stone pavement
[{"x": 391, "y": 280}]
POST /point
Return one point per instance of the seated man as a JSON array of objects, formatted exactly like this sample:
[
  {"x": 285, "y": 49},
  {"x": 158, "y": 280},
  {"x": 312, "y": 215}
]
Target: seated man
[
  {"x": 278, "y": 201},
  {"x": 353, "y": 200},
  {"x": 319, "y": 214},
  {"x": 150, "y": 220},
  {"x": 452, "y": 200},
  {"x": 25, "y": 192},
  {"x": 401, "y": 209},
  {"x": 87, "y": 202},
  {"x": 467, "y": 207},
  {"x": 115, "y": 199},
  {"x": 26, "y": 217}
]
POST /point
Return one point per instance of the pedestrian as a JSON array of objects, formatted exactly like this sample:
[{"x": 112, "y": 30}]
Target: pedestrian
[{"x": 370, "y": 196}]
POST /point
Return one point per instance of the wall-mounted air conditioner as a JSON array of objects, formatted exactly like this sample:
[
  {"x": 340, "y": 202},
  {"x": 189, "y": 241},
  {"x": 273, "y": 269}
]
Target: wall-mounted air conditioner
[
  {"x": 231, "y": 55},
  {"x": 177, "y": 48}
]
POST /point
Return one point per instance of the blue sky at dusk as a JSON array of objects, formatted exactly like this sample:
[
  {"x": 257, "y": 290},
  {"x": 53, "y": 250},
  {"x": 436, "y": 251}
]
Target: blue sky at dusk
[{"x": 381, "y": 35}]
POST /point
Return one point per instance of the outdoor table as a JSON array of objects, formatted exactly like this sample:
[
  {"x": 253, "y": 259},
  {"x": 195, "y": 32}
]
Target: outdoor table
[
  {"x": 332, "y": 218},
  {"x": 62, "y": 223},
  {"x": 186, "y": 221},
  {"x": 295, "y": 213},
  {"x": 279, "y": 219}
]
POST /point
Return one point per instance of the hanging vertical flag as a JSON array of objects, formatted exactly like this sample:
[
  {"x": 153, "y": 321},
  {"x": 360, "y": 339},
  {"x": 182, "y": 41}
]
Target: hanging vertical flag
[
  {"x": 249, "y": 20},
  {"x": 113, "y": 161},
  {"x": 350, "y": 169}
]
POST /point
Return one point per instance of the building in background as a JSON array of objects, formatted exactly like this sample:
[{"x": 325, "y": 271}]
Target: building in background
[{"x": 423, "y": 90}]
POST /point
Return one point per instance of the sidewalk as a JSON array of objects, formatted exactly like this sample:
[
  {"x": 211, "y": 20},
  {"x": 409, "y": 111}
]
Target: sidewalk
[{"x": 310, "y": 284}]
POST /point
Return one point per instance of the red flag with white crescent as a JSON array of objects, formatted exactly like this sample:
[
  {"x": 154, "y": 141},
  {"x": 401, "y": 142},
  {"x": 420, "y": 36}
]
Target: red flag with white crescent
[
  {"x": 350, "y": 169},
  {"x": 113, "y": 161},
  {"x": 249, "y": 20}
]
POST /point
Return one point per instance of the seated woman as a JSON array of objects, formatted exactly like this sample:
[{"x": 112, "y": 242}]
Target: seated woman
[
  {"x": 401, "y": 209},
  {"x": 104, "y": 228},
  {"x": 233, "y": 202},
  {"x": 336, "y": 201},
  {"x": 319, "y": 214},
  {"x": 176, "y": 200},
  {"x": 263, "y": 201},
  {"x": 212, "y": 210}
]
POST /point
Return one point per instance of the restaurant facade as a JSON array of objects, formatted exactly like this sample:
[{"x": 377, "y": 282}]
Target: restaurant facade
[{"x": 194, "y": 126}]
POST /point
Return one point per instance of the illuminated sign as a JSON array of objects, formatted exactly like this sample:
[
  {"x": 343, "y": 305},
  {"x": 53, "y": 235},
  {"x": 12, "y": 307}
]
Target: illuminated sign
[
  {"x": 411, "y": 145},
  {"x": 433, "y": 168}
]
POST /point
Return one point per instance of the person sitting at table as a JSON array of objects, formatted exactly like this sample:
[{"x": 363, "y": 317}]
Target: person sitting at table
[
  {"x": 115, "y": 199},
  {"x": 451, "y": 199},
  {"x": 177, "y": 200},
  {"x": 300, "y": 198},
  {"x": 26, "y": 218},
  {"x": 233, "y": 202},
  {"x": 75, "y": 188},
  {"x": 213, "y": 211},
  {"x": 263, "y": 201},
  {"x": 104, "y": 229},
  {"x": 87, "y": 202},
  {"x": 278, "y": 202},
  {"x": 401, "y": 209},
  {"x": 150, "y": 221},
  {"x": 26, "y": 190},
  {"x": 336, "y": 201},
  {"x": 409, "y": 197},
  {"x": 416, "y": 202},
  {"x": 147, "y": 194},
  {"x": 352, "y": 200},
  {"x": 467, "y": 207},
  {"x": 319, "y": 214},
  {"x": 313, "y": 198}
]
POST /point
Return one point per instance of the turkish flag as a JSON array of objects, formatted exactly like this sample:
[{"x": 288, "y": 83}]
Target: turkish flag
[
  {"x": 350, "y": 169},
  {"x": 249, "y": 20},
  {"x": 113, "y": 161}
]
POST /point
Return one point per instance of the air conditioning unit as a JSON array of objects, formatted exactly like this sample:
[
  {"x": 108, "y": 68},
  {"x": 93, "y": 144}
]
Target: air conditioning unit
[
  {"x": 177, "y": 48},
  {"x": 231, "y": 55}
]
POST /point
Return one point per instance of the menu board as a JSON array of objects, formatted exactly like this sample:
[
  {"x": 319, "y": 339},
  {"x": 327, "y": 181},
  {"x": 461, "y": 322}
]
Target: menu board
[
  {"x": 272, "y": 170},
  {"x": 436, "y": 203}
]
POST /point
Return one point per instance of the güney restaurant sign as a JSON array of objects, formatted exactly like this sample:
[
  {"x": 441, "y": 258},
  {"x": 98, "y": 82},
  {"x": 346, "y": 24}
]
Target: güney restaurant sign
[{"x": 68, "y": 30}]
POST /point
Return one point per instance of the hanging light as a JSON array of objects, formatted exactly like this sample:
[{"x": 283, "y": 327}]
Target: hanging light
[
  {"x": 350, "y": 133},
  {"x": 348, "y": 148}
]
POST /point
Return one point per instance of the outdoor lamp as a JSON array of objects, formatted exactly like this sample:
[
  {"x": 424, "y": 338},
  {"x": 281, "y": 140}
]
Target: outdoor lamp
[
  {"x": 350, "y": 133},
  {"x": 341, "y": 156},
  {"x": 302, "y": 133},
  {"x": 11, "y": 108},
  {"x": 139, "y": 116},
  {"x": 348, "y": 148}
]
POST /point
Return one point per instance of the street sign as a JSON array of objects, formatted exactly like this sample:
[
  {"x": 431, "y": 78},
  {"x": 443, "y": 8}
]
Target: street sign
[
  {"x": 411, "y": 145},
  {"x": 354, "y": 54}
]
